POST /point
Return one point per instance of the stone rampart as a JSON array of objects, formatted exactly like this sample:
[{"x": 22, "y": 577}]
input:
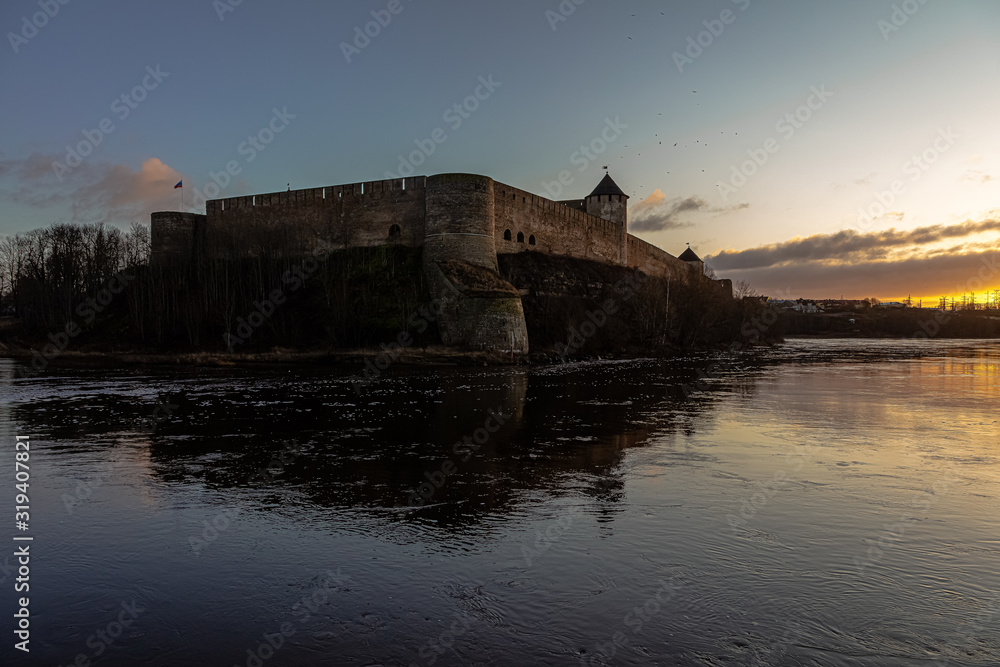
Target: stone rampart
[
  {"x": 343, "y": 216},
  {"x": 556, "y": 228}
]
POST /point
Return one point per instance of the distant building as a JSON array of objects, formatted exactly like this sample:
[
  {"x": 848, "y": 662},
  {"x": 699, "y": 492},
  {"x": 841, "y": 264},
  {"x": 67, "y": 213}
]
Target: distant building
[
  {"x": 842, "y": 305},
  {"x": 798, "y": 305}
]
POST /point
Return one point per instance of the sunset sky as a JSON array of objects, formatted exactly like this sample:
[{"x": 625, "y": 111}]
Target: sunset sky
[{"x": 898, "y": 116}]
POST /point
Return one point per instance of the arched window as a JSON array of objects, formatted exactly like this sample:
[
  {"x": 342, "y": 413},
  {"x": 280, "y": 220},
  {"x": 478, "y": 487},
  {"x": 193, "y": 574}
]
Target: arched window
[
  {"x": 506, "y": 235},
  {"x": 531, "y": 240},
  {"x": 520, "y": 237},
  {"x": 395, "y": 233}
]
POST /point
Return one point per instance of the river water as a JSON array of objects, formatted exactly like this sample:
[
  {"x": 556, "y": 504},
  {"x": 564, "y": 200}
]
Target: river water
[{"x": 822, "y": 503}]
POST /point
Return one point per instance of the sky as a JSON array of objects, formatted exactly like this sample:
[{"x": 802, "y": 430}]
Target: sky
[{"x": 815, "y": 149}]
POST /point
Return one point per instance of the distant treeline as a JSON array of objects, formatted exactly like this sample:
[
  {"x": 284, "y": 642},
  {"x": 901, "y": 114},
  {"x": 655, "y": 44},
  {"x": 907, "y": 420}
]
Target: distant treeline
[
  {"x": 100, "y": 280},
  {"x": 47, "y": 275},
  {"x": 98, "y": 283},
  {"x": 904, "y": 323}
]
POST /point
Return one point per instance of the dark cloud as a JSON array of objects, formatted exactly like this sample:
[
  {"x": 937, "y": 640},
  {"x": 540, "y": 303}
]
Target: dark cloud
[
  {"x": 657, "y": 213},
  {"x": 935, "y": 275},
  {"x": 844, "y": 246}
]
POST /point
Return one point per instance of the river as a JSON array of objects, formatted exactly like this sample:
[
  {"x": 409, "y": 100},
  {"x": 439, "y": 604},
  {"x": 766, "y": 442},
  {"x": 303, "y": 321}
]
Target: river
[{"x": 820, "y": 503}]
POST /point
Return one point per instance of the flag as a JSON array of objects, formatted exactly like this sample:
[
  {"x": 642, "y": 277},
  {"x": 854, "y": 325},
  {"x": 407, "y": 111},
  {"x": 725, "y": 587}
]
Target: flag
[{"x": 179, "y": 185}]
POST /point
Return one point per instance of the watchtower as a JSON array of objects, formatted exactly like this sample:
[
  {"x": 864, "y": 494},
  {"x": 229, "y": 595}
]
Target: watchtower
[
  {"x": 610, "y": 203},
  {"x": 693, "y": 260}
]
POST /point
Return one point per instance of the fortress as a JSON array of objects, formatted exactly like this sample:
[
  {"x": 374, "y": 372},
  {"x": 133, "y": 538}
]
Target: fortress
[{"x": 462, "y": 222}]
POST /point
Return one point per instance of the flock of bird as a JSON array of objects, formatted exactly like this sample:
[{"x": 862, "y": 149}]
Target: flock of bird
[{"x": 676, "y": 143}]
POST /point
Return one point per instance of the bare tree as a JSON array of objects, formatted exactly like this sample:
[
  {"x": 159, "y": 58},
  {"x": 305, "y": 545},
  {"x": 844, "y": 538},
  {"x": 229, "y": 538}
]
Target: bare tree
[{"x": 744, "y": 290}]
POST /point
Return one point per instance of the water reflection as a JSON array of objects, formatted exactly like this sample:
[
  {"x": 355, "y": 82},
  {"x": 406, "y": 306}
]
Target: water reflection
[
  {"x": 7, "y": 370},
  {"x": 442, "y": 448},
  {"x": 649, "y": 459}
]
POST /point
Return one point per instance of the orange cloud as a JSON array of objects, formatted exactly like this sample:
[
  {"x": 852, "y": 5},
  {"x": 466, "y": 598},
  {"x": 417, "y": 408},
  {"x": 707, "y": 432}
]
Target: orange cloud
[
  {"x": 121, "y": 187},
  {"x": 94, "y": 191}
]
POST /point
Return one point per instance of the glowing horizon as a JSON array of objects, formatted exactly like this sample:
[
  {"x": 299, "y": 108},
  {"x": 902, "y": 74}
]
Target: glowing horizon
[{"x": 737, "y": 133}]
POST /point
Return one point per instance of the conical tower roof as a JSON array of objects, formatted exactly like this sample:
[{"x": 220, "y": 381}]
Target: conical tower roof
[
  {"x": 607, "y": 186},
  {"x": 689, "y": 256}
]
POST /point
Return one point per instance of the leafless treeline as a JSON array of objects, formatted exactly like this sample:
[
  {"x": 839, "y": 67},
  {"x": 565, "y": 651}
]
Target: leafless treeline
[
  {"x": 45, "y": 273},
  {"x": 242, "y": 293},
  {"x": 103, "y": 280}
]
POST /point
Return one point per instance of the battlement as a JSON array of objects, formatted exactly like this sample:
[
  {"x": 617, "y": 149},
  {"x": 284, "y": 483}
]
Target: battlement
[
  {"x": 313, "y": 196},
  {"x": 574, "y": 211},
  {"x": 370, "y": 213},
  {"x": 394, "y": 211},
  {"x": 528, "y": 222},
  {"x": 380, "y": 212},
  {"x": 462, "y": 222}
]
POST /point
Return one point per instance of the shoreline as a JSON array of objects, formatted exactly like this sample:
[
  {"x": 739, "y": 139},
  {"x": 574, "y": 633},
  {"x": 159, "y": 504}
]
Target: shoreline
[
  {"x": 373, "y": 359},
  {"x": 834, "y": 336},
  {"x": 432, "y": 356}
]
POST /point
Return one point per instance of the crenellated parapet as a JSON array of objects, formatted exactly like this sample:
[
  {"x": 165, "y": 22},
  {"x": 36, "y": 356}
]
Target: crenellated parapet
[{"x": 461, "y": 221}]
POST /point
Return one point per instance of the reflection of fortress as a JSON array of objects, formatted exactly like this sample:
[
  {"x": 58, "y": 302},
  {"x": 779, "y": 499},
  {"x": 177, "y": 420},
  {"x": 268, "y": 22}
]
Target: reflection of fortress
[
  {"x": 427, "y": 426},
  {"x": 461, "y": 221}
]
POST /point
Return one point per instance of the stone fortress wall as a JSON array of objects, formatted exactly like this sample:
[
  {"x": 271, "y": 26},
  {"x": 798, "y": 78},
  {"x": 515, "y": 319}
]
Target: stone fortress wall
[
  {"x": 364, "y": 214},
  {"x": 454, "y": 217},
  {"x": 555, "y": 228},
  {"x": 344, "y": 216}
]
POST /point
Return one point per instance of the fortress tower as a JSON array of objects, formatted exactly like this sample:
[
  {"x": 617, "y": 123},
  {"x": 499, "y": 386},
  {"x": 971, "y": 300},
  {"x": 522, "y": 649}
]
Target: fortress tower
[
  {"x": 479, "y": 309},
  {"x": 610, "y": 203},
  {"x": 462, "y": 222},
  {"x": 459, "y": 220},
  {"x": 693, "y": 260},
  {"x": 176, "y": 236}
]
